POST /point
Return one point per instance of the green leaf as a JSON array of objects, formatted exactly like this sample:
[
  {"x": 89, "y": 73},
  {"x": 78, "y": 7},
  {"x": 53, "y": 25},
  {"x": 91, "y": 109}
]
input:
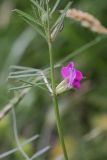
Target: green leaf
[
  {"x": 20, "y": 87},
  {"x": 36, "y": 15},
  {"x": 35, "y": 3},
  {"x": 25, "y": 15},
  {"x": 54, "y": 8},
  {"x": 25, "y": 72},
  {"x": 28, "y": 86},
  {"x": 41, "y": 11},
  {"x": 23, "y": 75},
  {"x": 31, "y": 21},
  {"x": 36, "y": 28},
  {"x": 42, "y": 3},
  {"x": 14, "y": 67}
]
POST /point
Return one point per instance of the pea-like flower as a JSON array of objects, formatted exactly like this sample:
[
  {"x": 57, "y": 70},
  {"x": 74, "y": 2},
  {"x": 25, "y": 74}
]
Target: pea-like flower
[
  {"x": 72, "y": 78},
  {"x": 72, "y": 75}
]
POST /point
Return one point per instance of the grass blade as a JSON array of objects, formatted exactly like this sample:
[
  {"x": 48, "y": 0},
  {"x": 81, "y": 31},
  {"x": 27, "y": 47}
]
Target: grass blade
[
  {"x": 40, "y": 153},
  {"x": 82, "y": 49},
  {"x": 3, "y": 155},
  {"x": 16, "y": 136}
]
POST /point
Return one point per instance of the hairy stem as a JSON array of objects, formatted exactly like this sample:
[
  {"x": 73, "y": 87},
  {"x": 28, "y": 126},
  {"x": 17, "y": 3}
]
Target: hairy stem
[{"x": 55, "y": 101}]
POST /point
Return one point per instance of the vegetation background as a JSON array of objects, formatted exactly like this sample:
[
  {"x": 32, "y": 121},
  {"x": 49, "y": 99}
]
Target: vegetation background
[{"x": 84, "y": 112}]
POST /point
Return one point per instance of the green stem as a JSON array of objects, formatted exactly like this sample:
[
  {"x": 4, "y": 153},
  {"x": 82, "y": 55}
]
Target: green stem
[
  {"x": 56, "y": 108},
  {"x": 55, "y": 101}
]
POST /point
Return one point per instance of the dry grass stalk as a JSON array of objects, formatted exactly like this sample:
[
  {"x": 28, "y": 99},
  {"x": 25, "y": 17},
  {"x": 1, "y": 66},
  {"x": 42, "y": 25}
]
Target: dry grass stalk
[{"x": 86, "y": 20}]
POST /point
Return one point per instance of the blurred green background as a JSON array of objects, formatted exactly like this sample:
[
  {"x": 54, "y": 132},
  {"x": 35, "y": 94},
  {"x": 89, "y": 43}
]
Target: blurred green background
[{"x": 84, "y": 112}]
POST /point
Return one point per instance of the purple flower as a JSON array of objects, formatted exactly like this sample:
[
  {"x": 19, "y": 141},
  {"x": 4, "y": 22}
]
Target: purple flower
[{"x": 72, "y": 75}]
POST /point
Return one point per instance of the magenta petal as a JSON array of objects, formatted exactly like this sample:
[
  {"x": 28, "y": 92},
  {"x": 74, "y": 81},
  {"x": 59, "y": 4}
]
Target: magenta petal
[
  {"x": 72, "y": 76},
  {"x": 76, "y": 84},
  {"x": 79, "y": 75},
  {"x": 70, "y": 65},
  {"x": 65, "y": 72}
]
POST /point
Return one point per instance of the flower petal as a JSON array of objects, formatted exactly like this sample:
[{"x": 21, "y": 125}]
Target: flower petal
[
  {"x": 79, "y": 75},
  {"x": 65, "y": 72},
  {"x": 72, "y": 76},
  {"x": 70, "y": 65},
  {"x": 76, "y": 84}
]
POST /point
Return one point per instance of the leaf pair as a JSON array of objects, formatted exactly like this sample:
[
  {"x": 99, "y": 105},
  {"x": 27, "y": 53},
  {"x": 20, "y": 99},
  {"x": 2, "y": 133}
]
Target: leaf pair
[{"x": 25, "y": 77}]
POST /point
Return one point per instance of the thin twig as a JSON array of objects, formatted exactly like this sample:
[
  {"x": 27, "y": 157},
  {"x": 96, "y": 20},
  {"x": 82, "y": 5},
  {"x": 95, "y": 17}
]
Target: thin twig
[{"x": 16, "y": 136}]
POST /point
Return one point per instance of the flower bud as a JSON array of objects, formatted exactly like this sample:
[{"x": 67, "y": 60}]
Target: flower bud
[{"x": 62, "y": 87}]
